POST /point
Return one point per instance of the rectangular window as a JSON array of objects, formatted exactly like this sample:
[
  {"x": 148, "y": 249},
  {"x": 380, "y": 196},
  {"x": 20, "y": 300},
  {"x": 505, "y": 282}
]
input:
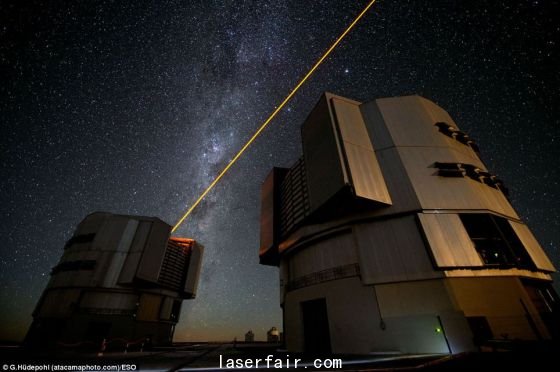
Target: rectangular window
[
  {"x": 470, "y": 171},
  {"x": 86, "y": 238},
  {"x": 495, "y": 241},
  {"x": 456, "y": 134},
  {"x": 73, "y": 266},
  {"x": 450, "y": 169}
]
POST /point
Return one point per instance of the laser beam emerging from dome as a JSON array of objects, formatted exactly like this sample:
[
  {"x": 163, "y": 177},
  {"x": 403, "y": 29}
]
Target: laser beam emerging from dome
[{"x": 273, "y": 115}]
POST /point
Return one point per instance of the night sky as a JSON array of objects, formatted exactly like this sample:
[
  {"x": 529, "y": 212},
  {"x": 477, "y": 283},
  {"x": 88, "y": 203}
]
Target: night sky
[{"x": 132, "y": 107}]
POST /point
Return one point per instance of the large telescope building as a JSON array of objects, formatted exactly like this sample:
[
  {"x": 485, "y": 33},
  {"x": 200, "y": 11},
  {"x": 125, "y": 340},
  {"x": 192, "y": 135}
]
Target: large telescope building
[
  {"x": 390, "y": 234},
  {"x": 120, "y": 279}
]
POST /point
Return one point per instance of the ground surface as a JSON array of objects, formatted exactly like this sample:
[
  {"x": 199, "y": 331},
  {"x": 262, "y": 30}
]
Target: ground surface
[{"x": 207, "y": 356}]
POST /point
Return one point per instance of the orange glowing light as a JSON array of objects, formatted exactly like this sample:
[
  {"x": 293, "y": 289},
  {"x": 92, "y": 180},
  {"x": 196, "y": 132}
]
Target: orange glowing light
[
  {"x": 183, "y": 244},
  {"x": 274, "y": 113}
]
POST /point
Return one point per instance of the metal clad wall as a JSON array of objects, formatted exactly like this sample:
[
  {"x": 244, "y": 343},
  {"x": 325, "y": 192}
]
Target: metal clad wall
[
  {"x": 410, "y": 311},
  {"x": 109, "y": 235},
  {"x": 102, "y": 263},
  {"x": 403, "y": 195},
  {"x": 406, "y": 119},
  {"x": 325, "y": 254},
  {"x": 193, "y": 270},
  {"x": 375, "y": 125},
  {"x": 141, "y": 236},
  {"x": 352, "y": 312},
  {"x": 350, "y": 122},
  {"x": 149, "y": 307},
  {"x": 365, "y": 173},
  {"x": 109, "y": 300},
  {"x": 437, "y": 114},
  {"x": 154, "y": 252},
  {"x": 59, "y": 303},
  {"x": 92, "y": 223},
  {"x": 410, "y": 122},
  {"x": 412, "y": 298},
  {"x": 448, "y": 240},
  {"x": 135, "y": 253},
  {"x": 532, "y": 246},
  {"x": 500, "y": 300},
  {"x": 436, "y": 192},
  {"x": 76, "y": 277},
  {"x": 120, "y": 254},
  {"x": 77, "y": 255},
  {"x": 166, "y": 306},
  {"x": 324, "y": 169},
  {"x": 392, "y": 250}
]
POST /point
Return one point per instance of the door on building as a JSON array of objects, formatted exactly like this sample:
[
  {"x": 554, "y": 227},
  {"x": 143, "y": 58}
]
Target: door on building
[{"x": 317, "y": 338}]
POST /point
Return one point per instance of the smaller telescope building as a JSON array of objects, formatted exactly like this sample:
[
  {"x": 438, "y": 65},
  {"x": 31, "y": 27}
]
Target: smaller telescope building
[
  {"x": 390, "y": 234},
  {"x": 120, "y": 278}
]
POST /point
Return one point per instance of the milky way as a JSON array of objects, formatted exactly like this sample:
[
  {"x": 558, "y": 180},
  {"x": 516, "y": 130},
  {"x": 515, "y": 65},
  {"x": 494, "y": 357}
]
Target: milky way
[{"x": 134, "y": 108}]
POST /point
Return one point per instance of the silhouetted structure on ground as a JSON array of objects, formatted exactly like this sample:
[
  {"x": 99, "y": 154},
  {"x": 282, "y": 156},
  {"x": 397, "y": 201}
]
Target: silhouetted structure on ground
[
  {"x": 120, "y": 279},
  {"x": 273, "y": 335},
  {"x": 249, "y": 336}
]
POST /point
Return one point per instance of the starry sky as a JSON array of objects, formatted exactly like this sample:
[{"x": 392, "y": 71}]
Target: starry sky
[{"x": 133, "y": 106}]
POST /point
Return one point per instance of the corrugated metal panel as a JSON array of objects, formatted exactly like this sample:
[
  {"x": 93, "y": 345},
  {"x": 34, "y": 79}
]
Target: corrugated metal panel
[
  {"x": 364, "y": 169},
  {"x": 448, "y": 240},
  {"x": 174, "y": 268},
  {"x": 193, "y": 271},
  {"x": 294, "y": 199},
  {"x": 392, "y": 250},
  {"x": 154, "y": 252},
  {"x": 321, "y": 153},
  {"x": 532, "y": 246}
]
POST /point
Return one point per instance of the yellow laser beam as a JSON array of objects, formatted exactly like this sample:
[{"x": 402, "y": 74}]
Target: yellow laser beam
[{"x": 273, "y": 115}]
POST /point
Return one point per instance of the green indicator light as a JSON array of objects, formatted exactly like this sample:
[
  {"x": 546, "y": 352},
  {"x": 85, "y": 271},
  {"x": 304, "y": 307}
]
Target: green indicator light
[{"x": 438, "y": 330}]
